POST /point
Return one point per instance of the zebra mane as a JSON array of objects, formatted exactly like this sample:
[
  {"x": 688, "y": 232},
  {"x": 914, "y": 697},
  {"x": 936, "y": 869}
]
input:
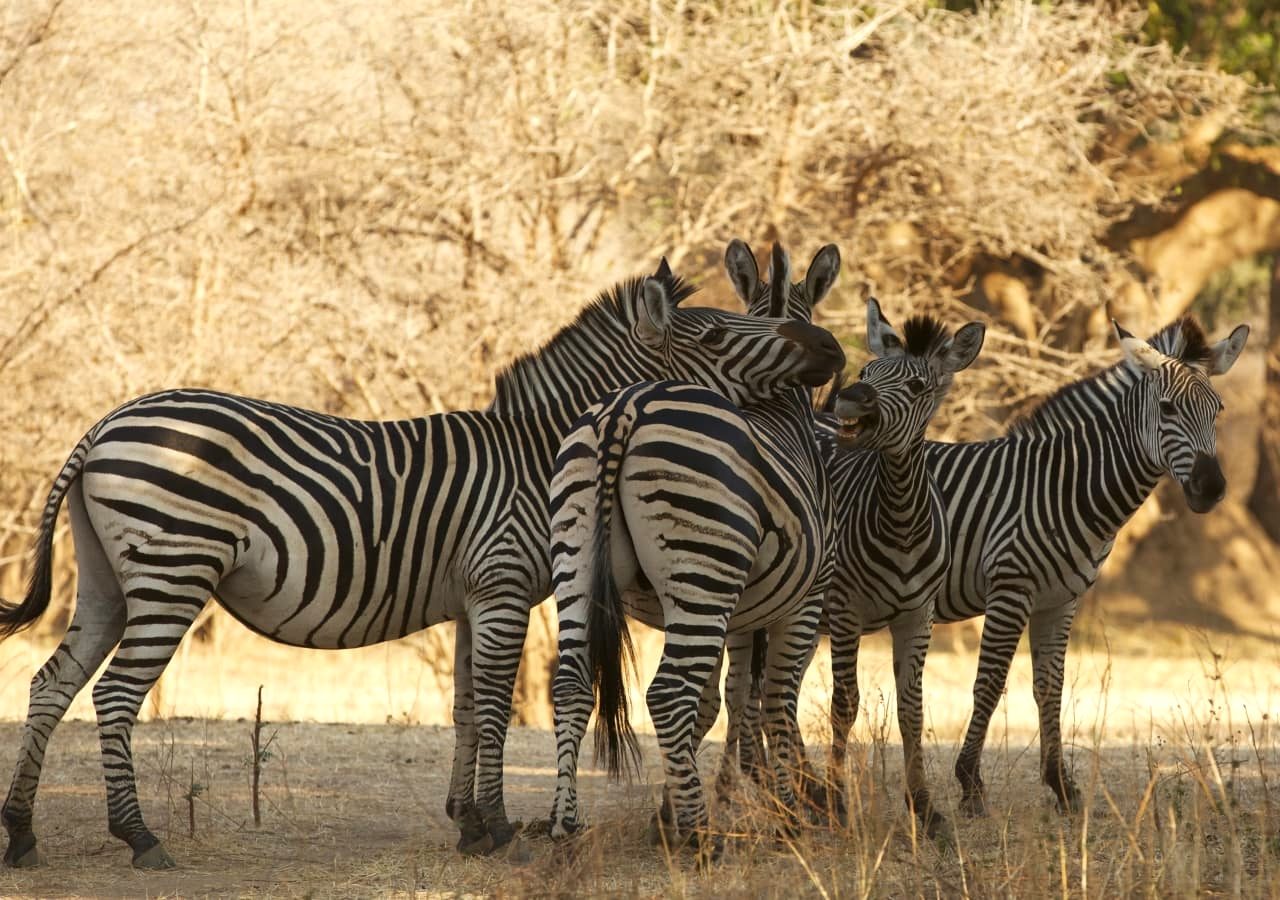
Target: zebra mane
[
  {"x": 1184, "y": 339},
  {"x": 610, "y": 313},
  {"x": 923, "y": 335},
  {"x": 1057, "y": 410}
]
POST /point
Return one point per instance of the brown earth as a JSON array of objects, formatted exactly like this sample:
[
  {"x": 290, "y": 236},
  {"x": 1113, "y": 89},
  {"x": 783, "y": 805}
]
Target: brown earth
[{"x": 358, "y": 810}]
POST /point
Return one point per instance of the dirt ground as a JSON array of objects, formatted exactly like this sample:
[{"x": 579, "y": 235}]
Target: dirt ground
[{"x": 1179, "y": 784}]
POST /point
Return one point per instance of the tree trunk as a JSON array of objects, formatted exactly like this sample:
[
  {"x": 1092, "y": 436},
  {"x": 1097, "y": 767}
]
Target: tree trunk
[{"x": 1264, "y": 501}]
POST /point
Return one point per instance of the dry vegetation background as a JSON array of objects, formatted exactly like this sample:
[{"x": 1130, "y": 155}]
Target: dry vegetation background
[{"x": 368, "y": 208}]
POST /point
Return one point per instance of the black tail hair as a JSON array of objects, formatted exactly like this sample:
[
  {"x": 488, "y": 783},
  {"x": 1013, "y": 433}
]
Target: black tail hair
[
  {"x": 759, "y": 653},
  {"x": 609, "y": 649},
  {"x": 14, "y": 617}
]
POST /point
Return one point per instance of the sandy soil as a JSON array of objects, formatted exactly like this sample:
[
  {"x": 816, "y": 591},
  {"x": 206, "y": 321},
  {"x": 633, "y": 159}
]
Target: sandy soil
[{"x": 358, "y": 809}]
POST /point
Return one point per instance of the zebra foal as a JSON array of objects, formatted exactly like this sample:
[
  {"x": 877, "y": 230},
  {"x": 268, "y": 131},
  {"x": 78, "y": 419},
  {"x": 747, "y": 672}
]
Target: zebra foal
[
  {"x": 890, "y": 539},
  {"x": 707, "y": 519},
  {"x": 891, "y": 547},
  {"x": 324, "y": 532}
]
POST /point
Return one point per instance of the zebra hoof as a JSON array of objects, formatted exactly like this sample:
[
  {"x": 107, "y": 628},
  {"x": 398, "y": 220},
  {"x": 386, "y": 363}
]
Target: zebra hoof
[
  {"x": 662, "y": 829},
  {"x": 708, "y": 849},
  {"x": 481, "y": 846},
  {"x": 1072, "y": 801},
  {"x": 938, "y": 830},
  {"x": 974, "y": 806},
  {"x": 154, "y": 857},
  {"x": 21, "y": 853},
  {"x": 502, "y": 832}
]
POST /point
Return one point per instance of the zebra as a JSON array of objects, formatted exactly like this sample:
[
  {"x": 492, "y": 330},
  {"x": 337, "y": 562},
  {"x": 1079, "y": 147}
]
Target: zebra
[
  {"x": 709, "y": 519},
  {"x": 890, "y": 539},
  {"x": 891, "y": 548},
  {"x": 325, "y": 532},
  {"x": 1033, "y": 515}
]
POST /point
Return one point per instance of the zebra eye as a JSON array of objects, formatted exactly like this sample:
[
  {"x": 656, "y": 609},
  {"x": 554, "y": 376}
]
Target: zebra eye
[
  {"x": 712, "y": 335},
  {"x": 1167, "y": 409},
  {"x": 915, "y": 386},
  {"x": 862, "y": 373}
]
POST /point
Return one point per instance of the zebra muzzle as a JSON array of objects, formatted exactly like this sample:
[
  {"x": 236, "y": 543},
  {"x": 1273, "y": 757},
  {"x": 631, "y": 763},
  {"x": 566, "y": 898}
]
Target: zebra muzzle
[
  {"x": 1206, "y": 486},
  {"x": 858, "y": 409}
]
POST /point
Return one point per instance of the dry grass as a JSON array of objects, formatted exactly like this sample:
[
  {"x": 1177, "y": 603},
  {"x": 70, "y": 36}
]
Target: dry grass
[{"x": 1177, "y": 758}]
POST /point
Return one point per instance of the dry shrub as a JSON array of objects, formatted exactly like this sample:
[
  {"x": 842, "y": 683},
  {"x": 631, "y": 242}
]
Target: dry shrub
[{"x": 367, "y": 209}]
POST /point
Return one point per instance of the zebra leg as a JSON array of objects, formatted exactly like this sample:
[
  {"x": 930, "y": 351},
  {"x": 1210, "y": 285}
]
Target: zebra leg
[
  {"x": 689, "y": 659},
  {"x": 499, "y": 627},
  {"x": 738, "y": 753},
  {"x": 461, "y": 807},
  {"x": 708, "y": 709},
  {"x": 753, "y": 758},
  {"x": 95, "y": 628},
  {"x": 846, "y": 639},
  {"x": 708, "y": 704},
  {"x": 911, "y": 636},
  {"x": 1007, "y": 613},
  {"x": 161, "y": 607},
  {"x": 1050, "y": 631},
  {"x": 573, "y": 699},
  {"x": 790, "y": 647}
]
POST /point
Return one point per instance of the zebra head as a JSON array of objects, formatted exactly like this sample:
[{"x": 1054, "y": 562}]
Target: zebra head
[
  {"x": 744, "y": 357},
  {"x": 899, "y": 390},
  {"x": 1177, "y": 407}
]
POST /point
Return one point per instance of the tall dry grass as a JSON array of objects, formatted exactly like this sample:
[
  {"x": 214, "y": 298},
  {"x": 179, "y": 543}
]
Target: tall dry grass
[{"x": 368, "y": 208}]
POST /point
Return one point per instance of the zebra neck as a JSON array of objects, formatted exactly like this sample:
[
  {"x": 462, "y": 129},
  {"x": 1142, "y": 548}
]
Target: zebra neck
[
  {"x": 1114, "y": 473},
  {"x": 787, "y": 418},
  {"x": 1122, "y": 478},
  {"x": 571, "y": 372},
  {"x": 902, "y": 489}
]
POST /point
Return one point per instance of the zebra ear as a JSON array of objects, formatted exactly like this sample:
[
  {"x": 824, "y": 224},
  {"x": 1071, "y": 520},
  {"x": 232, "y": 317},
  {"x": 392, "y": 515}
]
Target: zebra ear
[
  {"x": 653, "y": 314},
  {"x": 822, "y": 274},
  {"x": 779, "y": 282},
  {"x": 744, "y": 274},
  {"x": 1137, "y": 351},
  {"x": 1223, "y": 354},
  {"x": 882, "y": 340},
  {"x": 962, "y": 349},
  {"x": 664, "y": 270}
]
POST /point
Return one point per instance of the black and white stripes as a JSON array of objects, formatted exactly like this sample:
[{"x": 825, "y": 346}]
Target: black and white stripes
[
  {"x": 708, "y": 520},
  {"x": 325, "y": 532}
]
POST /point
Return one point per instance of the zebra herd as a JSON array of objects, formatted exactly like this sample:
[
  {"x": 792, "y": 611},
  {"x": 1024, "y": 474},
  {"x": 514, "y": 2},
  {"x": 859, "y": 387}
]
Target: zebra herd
[{"x": 649, "y": 460}]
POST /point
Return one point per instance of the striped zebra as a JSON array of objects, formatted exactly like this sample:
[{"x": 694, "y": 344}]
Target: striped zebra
[
  {"x": 1032, "y": 515},
  {"x": 324, "y": 532},
  {"x": 891, "y": 548},
  {"x": 708, "y": 519},
  {"x": 890, "y": 538}
]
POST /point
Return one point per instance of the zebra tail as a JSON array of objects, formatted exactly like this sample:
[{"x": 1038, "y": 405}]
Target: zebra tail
[
  {"x": 609, "y": 648},
  {"x": 14, "y": 617},
  {"x": 759, "y": 651}
]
